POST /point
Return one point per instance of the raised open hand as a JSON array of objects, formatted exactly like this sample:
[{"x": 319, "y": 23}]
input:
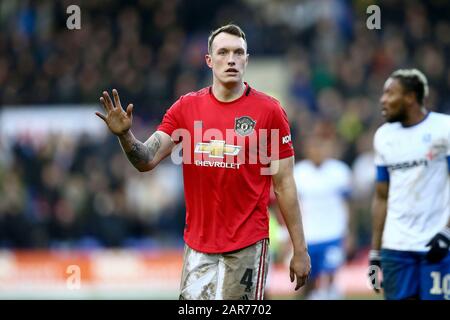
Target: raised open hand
[{"x": 117, "y": 120}]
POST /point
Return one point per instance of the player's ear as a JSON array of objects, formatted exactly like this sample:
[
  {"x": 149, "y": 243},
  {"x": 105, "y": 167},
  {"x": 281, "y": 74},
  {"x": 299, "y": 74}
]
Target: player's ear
[
  {"x": 208, "y": 60},
  {"x": 410, "y": 97}
]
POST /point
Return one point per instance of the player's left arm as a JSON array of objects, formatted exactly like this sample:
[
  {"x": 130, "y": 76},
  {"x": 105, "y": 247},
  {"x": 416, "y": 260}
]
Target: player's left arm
[
  {"x": 448, "y": 166},
  {"x": 448, "y": 163},
  {"x": 440, "y": 243},
  {"x": 286, "y": 193}
]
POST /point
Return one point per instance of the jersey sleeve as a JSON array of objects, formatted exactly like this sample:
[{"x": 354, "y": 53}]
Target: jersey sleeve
[
  {"x": 284, "y": 148},
  {"x": 171, "y": 120},
  {"x": 382, "y": 173}
]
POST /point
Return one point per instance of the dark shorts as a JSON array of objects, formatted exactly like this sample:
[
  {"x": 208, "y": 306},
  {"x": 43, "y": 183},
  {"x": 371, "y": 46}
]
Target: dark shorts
[{"x": 407, "y": 274}]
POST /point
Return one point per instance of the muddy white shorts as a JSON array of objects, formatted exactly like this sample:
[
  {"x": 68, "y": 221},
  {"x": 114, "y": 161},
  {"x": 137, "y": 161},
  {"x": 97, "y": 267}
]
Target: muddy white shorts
[{"x": 235, "y": 275}]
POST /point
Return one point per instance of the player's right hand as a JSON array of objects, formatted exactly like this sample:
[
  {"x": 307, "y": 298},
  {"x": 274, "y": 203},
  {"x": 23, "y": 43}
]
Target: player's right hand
[
  {"x": 374, "y": 272},
  {"x": 117, "y": 120}
]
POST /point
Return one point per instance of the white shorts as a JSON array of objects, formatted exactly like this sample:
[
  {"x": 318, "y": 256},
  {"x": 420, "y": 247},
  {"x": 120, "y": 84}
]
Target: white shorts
[{"x": 236, "y": 275}]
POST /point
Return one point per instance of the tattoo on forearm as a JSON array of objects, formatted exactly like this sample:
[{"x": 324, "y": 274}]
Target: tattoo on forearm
[
  {"x": 154, "y": 144},
  {"x": 138, "y": 154},
  {"x": 142, "y": 153}
]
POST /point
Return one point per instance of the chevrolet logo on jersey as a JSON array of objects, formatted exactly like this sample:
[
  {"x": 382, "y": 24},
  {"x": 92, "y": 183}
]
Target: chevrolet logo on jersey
[{"x": 217, "y": 149}]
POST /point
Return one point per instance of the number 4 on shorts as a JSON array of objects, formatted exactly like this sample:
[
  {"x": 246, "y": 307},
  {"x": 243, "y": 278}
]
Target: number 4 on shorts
[{"x": 247, "y": 280}]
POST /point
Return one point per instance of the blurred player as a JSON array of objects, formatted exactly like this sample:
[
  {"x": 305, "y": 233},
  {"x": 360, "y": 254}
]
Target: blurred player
[
  {"x": 411, "y": 208},
  {"x": 226, "y": 230},
  {"x": 324, "y": 187}
]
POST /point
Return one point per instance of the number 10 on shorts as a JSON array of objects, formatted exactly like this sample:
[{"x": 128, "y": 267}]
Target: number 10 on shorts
[{"x": 440, "y": 287}]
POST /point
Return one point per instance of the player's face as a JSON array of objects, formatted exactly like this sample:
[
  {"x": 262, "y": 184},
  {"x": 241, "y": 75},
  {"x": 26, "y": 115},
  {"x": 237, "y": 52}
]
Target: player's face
[
  {"x": 228, "y": 59},
  {"x": 393, "y": 104}
]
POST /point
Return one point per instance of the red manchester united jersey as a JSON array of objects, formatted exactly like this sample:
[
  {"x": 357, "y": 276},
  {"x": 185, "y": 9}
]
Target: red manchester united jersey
[{"x": 227, "y": 148}]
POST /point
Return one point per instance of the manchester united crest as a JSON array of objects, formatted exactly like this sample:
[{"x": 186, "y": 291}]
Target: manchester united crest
[{"x": 244, "y": 126}]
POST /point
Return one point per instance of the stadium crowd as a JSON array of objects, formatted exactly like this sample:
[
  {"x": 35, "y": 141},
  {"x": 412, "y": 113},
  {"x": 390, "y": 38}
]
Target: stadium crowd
[{"x": 81, "y": 192}]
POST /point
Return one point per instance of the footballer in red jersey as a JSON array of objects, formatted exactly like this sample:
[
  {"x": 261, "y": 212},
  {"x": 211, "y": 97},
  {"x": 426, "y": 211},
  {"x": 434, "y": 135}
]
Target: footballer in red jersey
[{"x": 236, "y": 142}]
